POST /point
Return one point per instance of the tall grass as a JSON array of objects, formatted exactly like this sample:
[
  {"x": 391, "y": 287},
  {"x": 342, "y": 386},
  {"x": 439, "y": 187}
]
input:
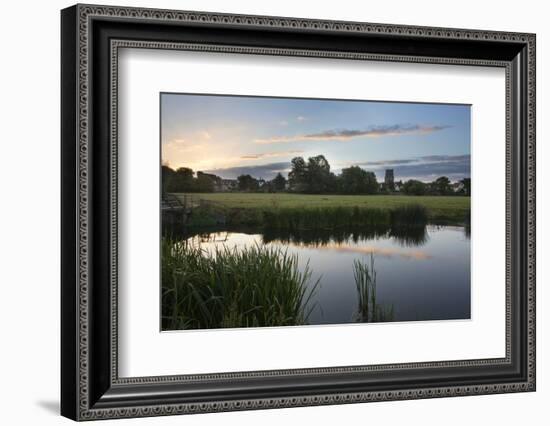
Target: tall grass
[
  {"x": 251, "y": 287},
  {"x": 345, "y": 217},
  {"x": 368, "y": 310},
  {"x": 324, "y": 218},
  {"x": 409, "y": 215},
  {"x": 307, "y": 218}
]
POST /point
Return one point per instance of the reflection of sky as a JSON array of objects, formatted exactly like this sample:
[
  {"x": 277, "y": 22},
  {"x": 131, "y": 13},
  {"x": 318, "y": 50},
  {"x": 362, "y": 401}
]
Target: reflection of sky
[
  {"x": 385, "y": 248},
  {"x": 370, "y": 249},
  {"x": 233, "y": 135},
  {"x": 422, "y": 283}
]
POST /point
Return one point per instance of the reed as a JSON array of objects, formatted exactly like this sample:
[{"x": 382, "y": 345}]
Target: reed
[
  {"x": 409, "y": 215},
  {"x": 324, "y": 218},
  {"x": 251, "y": 287},
  {"x": 368, "y": 310},
  {"x": 302, "y": 217}
]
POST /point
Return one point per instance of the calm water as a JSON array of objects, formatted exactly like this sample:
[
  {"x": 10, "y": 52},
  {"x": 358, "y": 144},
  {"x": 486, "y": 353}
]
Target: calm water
[{"x": 422, "y": 277}]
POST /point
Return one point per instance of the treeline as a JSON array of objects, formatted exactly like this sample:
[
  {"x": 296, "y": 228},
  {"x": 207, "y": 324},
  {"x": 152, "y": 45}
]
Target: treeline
[
  {"x": 247, "y": 183},
  {"x": 308, "y": 177},
  {"x": 182, "y": 180},
  {"x": 314, "y": 177},
  {"x": 440, "y": 186}
]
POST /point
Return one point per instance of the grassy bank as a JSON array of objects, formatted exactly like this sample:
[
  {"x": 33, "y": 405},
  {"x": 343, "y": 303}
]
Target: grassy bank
[
  {"x": 252, "y": 287},
  {"x": 250, "y": 208}
]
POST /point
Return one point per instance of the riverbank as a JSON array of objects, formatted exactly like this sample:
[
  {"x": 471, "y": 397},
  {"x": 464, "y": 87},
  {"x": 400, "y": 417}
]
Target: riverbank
[
  {"x": 285, "y": 210},
  {"x": 256, "y": 286}
]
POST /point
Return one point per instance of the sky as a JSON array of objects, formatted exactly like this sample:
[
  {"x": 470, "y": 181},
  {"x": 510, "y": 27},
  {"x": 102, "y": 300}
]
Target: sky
[{"x": 234, "y": 135}]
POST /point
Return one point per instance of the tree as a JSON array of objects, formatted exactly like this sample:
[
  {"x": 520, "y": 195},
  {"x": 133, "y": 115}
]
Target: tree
[
  {"x": 371, "y": 184},
  {"x": 319, "y": 179},
  {"x": 180, "y": 180},
  {"x": 247, "y": 183},
  {"x": 279, "y": 182},
  {"x": 167, "y": 176},
  {"x": 414, "y": 187},
  {"x": 202, "y": 183},
  {"x": 183, "y": 180},
  {"x": 467, "y": 182},
  {"x": 355, "y": 180},
  {"x": 442, "y": 186},
  {"x": 298, "y": 174}
]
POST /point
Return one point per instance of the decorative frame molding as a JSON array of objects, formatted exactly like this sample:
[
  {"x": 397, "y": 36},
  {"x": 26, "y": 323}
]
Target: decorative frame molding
[{"x": 91, "y": 37}]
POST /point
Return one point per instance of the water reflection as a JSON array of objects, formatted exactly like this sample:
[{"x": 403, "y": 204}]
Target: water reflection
[
  {"x": 404, "y": 236},
  {"x": 368, "y": 310},
  {"x": 421, "y": 274}
]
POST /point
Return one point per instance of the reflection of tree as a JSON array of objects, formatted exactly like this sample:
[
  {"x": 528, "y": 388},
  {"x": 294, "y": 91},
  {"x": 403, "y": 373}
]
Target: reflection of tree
[
  {"x": 320, "y": 237},
  {"x": 368, "y": 310},
  {"x": 405, "y": 236},
  {"x": 410, "y": 236}
]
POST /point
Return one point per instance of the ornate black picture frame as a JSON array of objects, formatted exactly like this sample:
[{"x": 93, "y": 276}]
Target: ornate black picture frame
[{"x": 91, "y": 36}]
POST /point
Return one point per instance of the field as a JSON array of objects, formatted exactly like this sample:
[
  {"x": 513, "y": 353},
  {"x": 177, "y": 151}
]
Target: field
[{"x": 444, "y": 208}]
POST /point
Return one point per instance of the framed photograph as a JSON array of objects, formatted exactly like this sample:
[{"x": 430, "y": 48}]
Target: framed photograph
[{"x": 263, "y": 212}]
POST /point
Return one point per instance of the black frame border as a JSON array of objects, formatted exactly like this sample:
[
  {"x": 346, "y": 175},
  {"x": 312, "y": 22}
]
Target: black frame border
[{"x": 90, "y": 387}]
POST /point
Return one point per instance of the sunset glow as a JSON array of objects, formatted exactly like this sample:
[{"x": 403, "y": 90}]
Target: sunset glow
[{"x": 232, "y": 135}]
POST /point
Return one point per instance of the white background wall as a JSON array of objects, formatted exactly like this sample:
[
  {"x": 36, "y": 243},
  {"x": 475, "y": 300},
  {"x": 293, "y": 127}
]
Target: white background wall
[{"x": 29, "y": 212}]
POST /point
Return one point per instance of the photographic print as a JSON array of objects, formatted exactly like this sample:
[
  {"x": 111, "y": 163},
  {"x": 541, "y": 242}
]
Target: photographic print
[{"x": 303, "y": 212}]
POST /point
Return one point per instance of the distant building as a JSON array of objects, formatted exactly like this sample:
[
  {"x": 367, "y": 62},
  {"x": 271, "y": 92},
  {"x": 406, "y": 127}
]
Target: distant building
[
  {"x": 388, "y": 180},
  {"x": 228, "y": 185},
  {"x": 458, "y": 186}
]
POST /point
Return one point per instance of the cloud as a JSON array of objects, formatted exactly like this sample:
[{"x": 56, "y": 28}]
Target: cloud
[
  {"x": 301, "y": 118},
  {"x": 264, "y": 171},
  {"x": 197, "y": 137},
  {"x": 381, "y": 251},
  {"x": 424, "y": 159},
  {"x": 384, "y": 162},
  {"x": 204, "y": 135},
  {"x": 270, "y": 155},
  {"x": 179, "y": 145},
  {"x": 343, "y": 135},
  {"x": 455, "y": 167},
  {"x": 426, "y": 168},
  {"x": 446, "y": 157}
]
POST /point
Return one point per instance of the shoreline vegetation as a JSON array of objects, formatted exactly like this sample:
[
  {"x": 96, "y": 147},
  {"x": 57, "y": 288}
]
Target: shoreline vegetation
[
  {"x": 302, "y": 212},
  {"x": 222, "y": 289},
  {"x": 368, "y": 310}
]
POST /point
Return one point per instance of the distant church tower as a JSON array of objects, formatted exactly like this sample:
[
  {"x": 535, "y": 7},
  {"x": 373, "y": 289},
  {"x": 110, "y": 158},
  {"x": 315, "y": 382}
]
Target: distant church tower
[{"x": 388, "y": 180}]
